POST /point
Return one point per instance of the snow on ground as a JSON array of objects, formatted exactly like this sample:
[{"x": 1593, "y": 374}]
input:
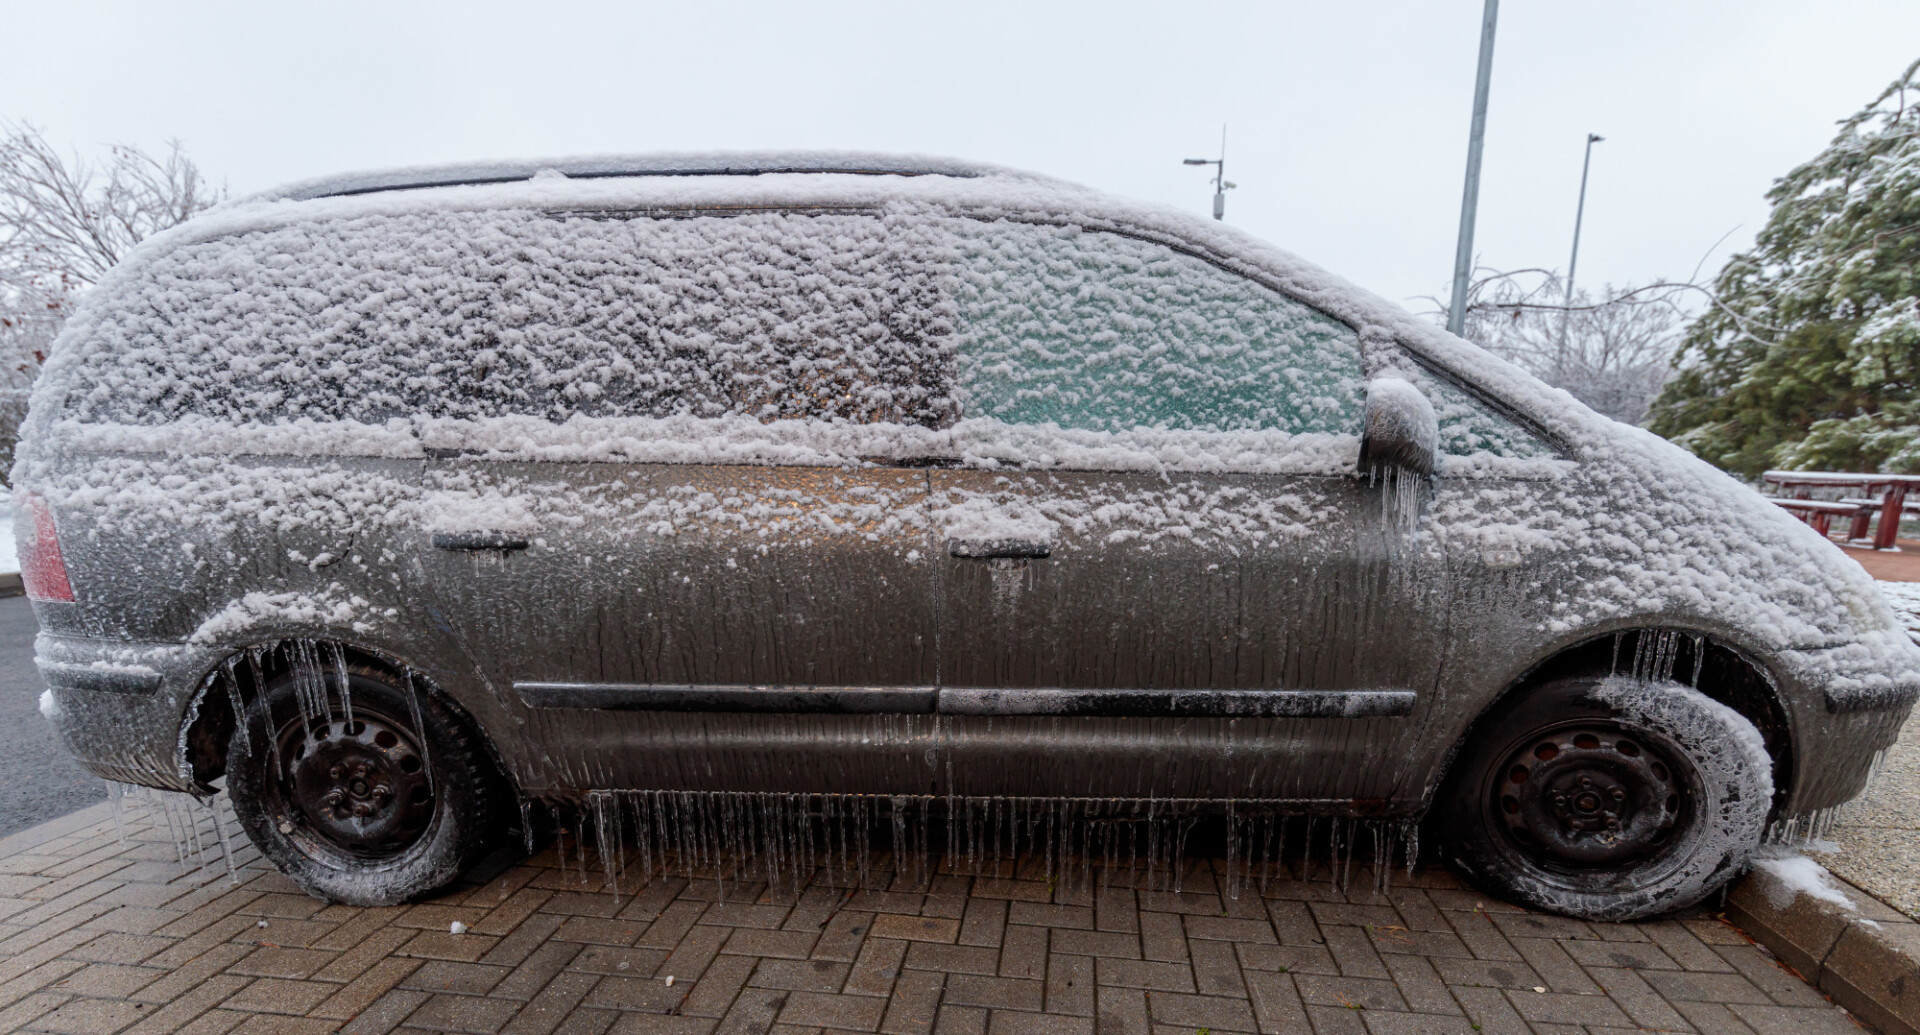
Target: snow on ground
[{"x": 1905, "y": 598}]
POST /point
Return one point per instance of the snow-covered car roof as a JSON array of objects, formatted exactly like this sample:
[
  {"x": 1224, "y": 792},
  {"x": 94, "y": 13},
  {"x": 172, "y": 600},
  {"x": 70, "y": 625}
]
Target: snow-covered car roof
[
  {"x": 830, "y": 179},
  {"x": 670, "y": 163}
]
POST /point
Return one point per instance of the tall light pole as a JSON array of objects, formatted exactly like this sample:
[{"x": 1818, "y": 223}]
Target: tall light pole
[
  {"x": 1220, "y": 183},
  {"x": 1579, "y": 214},
  {"x": 1470, "y": 202}
]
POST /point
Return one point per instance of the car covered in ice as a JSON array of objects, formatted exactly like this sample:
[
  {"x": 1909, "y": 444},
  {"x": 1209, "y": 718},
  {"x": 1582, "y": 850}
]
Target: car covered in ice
[{"x": 390, "y": 502}]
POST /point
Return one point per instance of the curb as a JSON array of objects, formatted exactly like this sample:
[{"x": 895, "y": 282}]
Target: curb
[
  {"x": 1867, "y": 957},
  {"x": 11, "y": 586}
]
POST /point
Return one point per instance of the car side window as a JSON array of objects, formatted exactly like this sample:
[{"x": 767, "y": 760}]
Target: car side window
[
  {"x": 1469, "y": 426},
  {"x": 1094, "y": 331},
  {"x": 469, "y": 316}
]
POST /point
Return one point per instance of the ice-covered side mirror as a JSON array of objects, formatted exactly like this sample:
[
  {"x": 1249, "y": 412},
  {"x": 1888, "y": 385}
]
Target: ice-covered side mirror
[{"x": 1401, "y": 433}]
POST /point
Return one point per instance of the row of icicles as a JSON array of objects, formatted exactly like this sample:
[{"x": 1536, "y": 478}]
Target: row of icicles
[{"x": 777, "y": 839}]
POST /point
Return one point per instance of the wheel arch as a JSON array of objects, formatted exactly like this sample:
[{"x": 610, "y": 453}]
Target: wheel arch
[
  {"x": 1711, "y": 661},
  {"x": 207, "y": 727}
]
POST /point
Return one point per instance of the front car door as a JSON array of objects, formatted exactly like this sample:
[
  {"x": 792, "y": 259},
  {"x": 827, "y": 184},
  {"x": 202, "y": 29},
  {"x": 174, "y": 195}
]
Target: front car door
[{"x": 1160, "y": 574}]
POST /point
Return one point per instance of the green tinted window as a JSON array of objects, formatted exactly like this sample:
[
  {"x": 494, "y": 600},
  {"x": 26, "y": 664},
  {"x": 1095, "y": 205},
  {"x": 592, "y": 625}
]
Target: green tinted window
[
  {"x": 1468, "y": 426},
  {"x": 1092, "y": 330}
]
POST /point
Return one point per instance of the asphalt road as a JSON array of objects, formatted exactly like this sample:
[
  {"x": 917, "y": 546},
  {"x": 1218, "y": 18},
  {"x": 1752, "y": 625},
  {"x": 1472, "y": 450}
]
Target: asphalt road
[{"x": 38, "y": 781}]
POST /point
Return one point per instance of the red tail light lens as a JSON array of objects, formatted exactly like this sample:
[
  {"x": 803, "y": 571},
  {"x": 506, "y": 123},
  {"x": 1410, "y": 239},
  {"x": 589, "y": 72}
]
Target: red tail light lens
[{"x": 42, "y": 568}]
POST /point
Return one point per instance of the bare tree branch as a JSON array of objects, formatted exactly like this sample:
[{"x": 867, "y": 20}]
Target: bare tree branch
[{"x": 63, "y": 223}]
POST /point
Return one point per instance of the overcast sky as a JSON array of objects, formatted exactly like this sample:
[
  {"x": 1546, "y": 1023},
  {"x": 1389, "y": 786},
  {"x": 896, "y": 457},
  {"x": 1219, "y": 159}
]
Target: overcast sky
[{"x": 1347, "y": 122}]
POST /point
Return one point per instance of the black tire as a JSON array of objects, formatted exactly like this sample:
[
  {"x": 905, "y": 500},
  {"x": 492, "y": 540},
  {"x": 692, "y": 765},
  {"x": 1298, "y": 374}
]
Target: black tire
[
  {"x": 373, "y": 810},
  {"x": 1607, "y": 799}
]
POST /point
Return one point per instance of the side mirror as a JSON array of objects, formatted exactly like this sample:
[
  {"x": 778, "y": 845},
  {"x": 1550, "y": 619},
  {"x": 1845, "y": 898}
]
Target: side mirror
[{"x": 1401, "y": 433}]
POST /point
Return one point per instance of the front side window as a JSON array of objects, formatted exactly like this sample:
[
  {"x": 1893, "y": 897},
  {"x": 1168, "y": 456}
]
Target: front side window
[
  {"x": 1469, "y": 427},
  {"x": 1094, "y": 331}
]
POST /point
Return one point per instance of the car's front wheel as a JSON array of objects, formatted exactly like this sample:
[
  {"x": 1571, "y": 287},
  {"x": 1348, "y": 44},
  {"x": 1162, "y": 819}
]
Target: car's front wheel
[
  {"x": 1608, "y": 799},
  {"x": 369, "y": 798}
]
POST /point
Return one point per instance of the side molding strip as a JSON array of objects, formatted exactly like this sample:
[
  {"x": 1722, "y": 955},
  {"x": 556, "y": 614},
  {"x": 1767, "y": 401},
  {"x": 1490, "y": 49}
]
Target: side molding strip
[
  {"x": 117, "y": 679},
  {"x": 927, "y": 700}
]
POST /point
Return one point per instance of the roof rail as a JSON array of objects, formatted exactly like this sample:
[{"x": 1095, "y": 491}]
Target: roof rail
[{"x": 722, "y": 163}]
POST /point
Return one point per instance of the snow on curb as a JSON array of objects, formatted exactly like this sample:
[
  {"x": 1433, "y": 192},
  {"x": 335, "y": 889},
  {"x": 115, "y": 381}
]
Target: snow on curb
[{"x": 1850, "y": 945}]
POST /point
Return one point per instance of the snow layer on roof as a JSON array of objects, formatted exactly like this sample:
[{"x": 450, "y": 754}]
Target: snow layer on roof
[{"x": 688, "y": 163}]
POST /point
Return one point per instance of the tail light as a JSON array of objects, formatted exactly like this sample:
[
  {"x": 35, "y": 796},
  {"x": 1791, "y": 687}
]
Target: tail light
[{"x": 42, "y": 568}]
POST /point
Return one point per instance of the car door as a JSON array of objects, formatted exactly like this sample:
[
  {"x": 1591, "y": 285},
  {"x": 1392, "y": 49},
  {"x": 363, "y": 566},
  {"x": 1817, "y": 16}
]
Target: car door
[
  {"x": 680, "y": 534},
  {"x": 1160, "y": 574},
  {"x": 1506, "y": 522}
]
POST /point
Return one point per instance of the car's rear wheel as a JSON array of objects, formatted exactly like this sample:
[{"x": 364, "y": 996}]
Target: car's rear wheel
[
  {"x": 1608, "y": 799},
  {"x": 369, "y": 799}
]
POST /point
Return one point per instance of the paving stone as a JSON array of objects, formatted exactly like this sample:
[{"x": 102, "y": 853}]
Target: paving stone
[
  {"x": 1123, "y": 1011},
  {"x": 278, "y": 995},
  {"x": 826, "y": 1010},
  {"x": 90, "y": 1016},
  {"x": 462, "y": 1013},
  {"x": 753, "y": 1012},
  {"x": 1009, "y": 1022},
  {"x": 915, "y": 1003},
  {"x": 1103, "y": 944},
  {"x": 1201, "y": 1011},
  {"x": 957, "y": 959},
  {"x": 879, "y": 964},
  {"x": 949, "y": 953},
  {"x": 717, "y": 987},
  {"x": 1633, "y": 995},
  {"x": 1146, "y": 974},
  {"x": 843, "y": 935},
  {"x": 363, "y": 991},
  {"x": 1162, "y": 937},
  {"x": 636, "y": 995},
  {"x": 915, "y": 928},
  {"x": 801, "y": 975},
  {"x": 458, "y": 978},
  {"x": 996, "y": 992},
  {"x": 1567, "y": 1008},
  {"x": 1023, "y": 952},
  {"x": 527, "y": 979}
]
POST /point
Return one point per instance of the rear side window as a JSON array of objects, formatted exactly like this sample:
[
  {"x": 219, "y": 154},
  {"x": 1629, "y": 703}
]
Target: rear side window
[
  {"x": 773, "y": 315},
  {"x": 1095, "y": 331}
]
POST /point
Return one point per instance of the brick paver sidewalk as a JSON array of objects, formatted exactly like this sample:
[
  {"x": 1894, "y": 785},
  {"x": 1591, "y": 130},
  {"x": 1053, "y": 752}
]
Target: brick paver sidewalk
[{"x": 98, "y": 935}]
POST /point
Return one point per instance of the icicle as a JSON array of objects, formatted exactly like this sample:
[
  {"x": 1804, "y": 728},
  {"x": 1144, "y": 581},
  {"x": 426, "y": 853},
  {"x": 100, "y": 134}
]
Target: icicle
[
  {"x": 346, "y": 692},
  {"x": 242, "y": 723},
  {"x": 426, "y": 762}
]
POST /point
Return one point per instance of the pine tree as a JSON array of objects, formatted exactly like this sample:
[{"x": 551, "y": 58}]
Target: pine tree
[{"x": 1810, "y": 359}]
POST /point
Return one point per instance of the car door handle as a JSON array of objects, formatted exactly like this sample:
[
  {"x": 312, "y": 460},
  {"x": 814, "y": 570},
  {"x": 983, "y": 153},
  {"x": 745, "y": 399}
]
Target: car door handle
[
  {"x": 503, "y": 541},
  {"x": 989, "y": 549}
]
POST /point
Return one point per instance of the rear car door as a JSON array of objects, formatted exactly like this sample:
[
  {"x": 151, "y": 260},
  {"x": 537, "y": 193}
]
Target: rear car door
[
  {"x": 1160, "y": 575},
  {"x": 684, "y": 528}
]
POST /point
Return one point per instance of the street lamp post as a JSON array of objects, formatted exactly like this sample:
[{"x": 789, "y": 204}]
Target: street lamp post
[
  {"x": 1220, "y": 183},
  {"x": 1579, "y": 214},
  {"x": 1470, "y": 202}
]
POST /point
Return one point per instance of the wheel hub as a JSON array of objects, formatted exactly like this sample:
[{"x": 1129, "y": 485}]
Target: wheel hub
[
  {"x": 1588, "y": 796},
  {"x": 361, "y": 785}
]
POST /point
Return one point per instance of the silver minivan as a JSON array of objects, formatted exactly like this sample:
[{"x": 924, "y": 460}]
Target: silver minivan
[{"x": 390, "y": 502}]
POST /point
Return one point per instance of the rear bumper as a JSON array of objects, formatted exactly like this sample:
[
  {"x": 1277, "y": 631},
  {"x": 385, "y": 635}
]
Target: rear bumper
[{"x": 120, "y": 707}]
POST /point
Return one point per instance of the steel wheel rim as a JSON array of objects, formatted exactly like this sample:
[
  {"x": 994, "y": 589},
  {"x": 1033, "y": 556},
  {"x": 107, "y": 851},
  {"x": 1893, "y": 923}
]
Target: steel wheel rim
[
  {"x": 357, "y": 787},
  {"x": 1588, "y": 798}
]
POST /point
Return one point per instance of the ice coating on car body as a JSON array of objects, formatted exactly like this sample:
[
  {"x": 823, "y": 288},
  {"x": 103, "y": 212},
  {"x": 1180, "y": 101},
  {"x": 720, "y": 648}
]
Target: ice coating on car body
[
  {"x": 1678, "y": 553},
  {"x": 208, "y": 385}
]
